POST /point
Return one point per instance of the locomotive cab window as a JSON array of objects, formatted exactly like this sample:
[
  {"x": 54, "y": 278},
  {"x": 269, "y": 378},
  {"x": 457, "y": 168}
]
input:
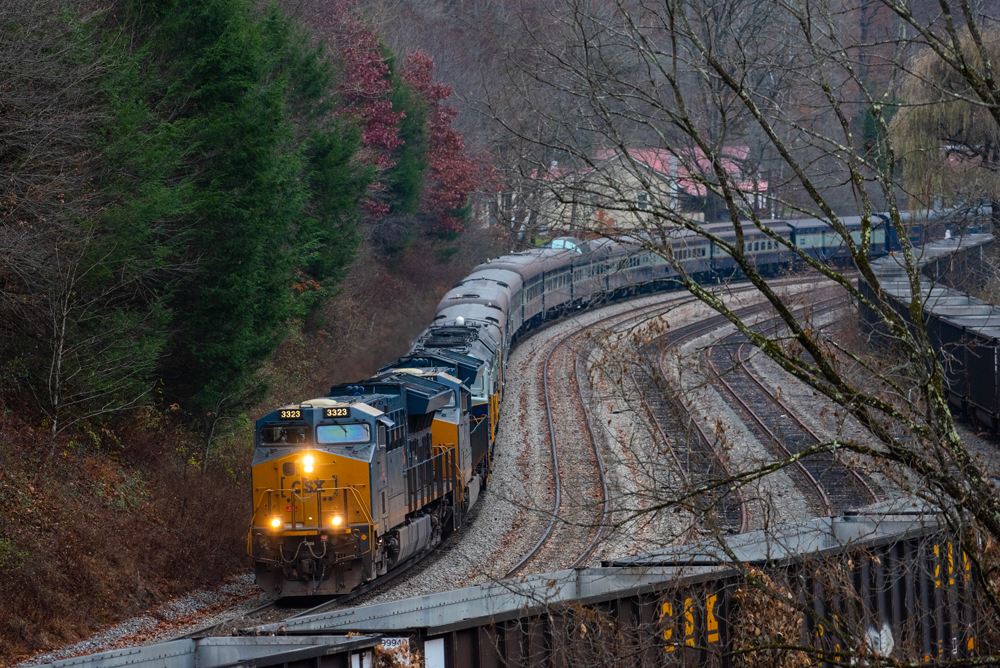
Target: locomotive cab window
[
  {"x": 343, "y": 434},
  {"x": 283, "y": 434}
]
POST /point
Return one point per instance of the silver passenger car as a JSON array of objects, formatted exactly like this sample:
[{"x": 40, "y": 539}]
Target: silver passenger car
[
  {"x": 492, "y": 319},
  {"x": 768, "y": 254},
  {"x": 507, "y": 280},
  {"x": 535, "y": 267}
]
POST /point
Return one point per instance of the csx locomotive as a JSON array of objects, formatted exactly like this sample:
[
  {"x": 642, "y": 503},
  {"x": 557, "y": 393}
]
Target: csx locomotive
[{"x": 349, "y": 486}]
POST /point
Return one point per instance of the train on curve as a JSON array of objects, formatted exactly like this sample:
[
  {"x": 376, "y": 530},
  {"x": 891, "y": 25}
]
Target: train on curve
[{"x": 367, "y": 479}]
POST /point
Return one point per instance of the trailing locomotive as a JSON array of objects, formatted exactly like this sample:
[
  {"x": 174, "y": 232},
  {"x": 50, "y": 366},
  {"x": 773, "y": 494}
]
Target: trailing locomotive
[{"x": 349, "y": 486}]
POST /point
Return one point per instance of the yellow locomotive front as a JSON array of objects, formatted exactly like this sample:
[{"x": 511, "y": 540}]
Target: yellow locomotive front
[{"x": 312, "y": 530}]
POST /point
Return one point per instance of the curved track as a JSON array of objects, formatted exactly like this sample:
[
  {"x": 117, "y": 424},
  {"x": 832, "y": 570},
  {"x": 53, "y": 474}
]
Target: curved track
[
  {"x": 702, "y": 465},
  {"x": 833, "y": 486},
  {"x": 574, "y": 529},
  {"x": 685, "y": 437}
]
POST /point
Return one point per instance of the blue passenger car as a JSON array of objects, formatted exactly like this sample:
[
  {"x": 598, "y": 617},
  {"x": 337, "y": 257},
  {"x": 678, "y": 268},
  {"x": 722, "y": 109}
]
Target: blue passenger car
[
  {"x": 817, "y": 238},
  {"x": 769, "y": 255}
]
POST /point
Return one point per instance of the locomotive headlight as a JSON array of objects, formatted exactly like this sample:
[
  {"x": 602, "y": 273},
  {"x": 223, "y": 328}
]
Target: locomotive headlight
[
  {"x": 276, "y": 522},
  {"x": 337, "y": 520},
  {"x": 307, "y": 463}
]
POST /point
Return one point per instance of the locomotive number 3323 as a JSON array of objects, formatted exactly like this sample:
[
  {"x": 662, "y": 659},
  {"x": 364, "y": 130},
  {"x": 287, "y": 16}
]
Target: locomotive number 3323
[{"x": 337, "y": 412}]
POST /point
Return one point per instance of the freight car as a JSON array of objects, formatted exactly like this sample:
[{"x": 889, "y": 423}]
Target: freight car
[
  {"x": 965, "y": 331},
  {"x": 889, "y": 581},
  {"x": 351, "y": 485}
]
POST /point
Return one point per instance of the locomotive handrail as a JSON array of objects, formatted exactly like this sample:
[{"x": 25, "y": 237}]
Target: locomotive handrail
[
  {"x": 453, "y": 447},
  {"x": 254, "y": 517},
  {"x": 352, "y": 489},
  {"x": 424, "y": 463}
]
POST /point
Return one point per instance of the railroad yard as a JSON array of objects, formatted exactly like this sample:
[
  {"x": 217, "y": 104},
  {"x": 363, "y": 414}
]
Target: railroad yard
[
  {"x": 608, "y": 412},
  {"x": 370, "y": 334}
]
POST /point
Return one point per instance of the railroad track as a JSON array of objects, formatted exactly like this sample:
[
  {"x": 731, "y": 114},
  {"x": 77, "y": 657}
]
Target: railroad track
[
  {"x": 211, "y": 629},
  {"x": 557, "y": 474},
  {"x": 702, "y": 463},
  {"x": 832, "y": 486},
  {"x": 717, "y": 463},
  {"x": 582, "y": 413},
  {"x": 327, "y": 604},
  {"x": 692, "y": 450}
]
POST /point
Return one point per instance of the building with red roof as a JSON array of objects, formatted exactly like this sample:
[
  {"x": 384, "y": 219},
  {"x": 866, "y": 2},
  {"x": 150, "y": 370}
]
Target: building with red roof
[{"x": 617, "y": 191}]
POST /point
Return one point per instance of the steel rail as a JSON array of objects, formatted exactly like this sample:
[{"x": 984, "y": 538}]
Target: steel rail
[
  {"x": 826, "y": 504},
  {"x": 871, "y": 492},
  {"x": 555, "y": 463},
  {"x": 679, "y": 338},
  {"x": 681, "y": 299},
  {"x": 624, "y": 317},
  {"x": 742, "y": 361},
  {"x": 632, "y": 313},
  {"x": 403, "y": 568},
  {"x": 606, "y": 514},
  {"x": 203, "y": 631},
  {"x": 707, "y": 443},
  {"x": 331, "y": 602},
  {"x": 824, "y": 500}
]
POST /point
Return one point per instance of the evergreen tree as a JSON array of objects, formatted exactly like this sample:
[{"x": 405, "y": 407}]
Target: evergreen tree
[{"x": 245, "y": 182}]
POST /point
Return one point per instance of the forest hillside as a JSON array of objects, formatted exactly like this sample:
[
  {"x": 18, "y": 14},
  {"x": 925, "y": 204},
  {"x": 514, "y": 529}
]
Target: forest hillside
[{"x": 209, "y": 207}]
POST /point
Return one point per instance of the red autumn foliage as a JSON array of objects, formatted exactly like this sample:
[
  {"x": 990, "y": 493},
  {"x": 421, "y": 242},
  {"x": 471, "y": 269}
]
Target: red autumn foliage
[
  {"x": 451, "y": 173},
  {"x": 365, "y": 88}
]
